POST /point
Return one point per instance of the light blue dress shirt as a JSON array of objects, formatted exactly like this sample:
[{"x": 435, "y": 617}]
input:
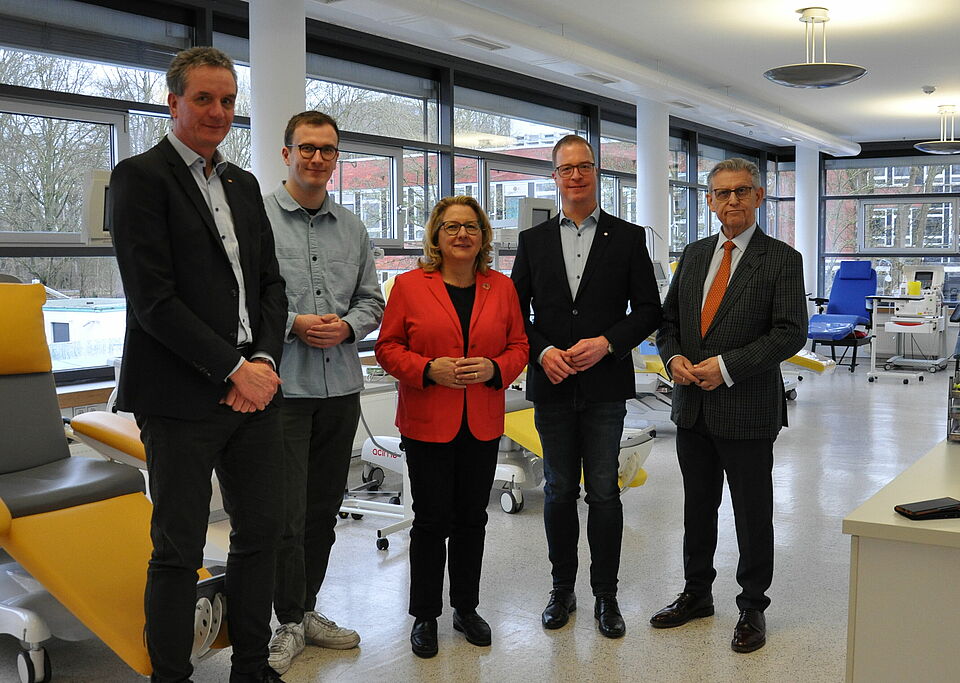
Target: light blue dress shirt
[{"x": 328, "y": 265}]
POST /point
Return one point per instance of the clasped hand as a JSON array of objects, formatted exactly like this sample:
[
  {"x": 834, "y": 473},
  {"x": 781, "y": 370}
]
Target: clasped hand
[
  {"x": 583, "y": 355},
  {"x": 705, "y": 374},
  {"x": 321, "y": 331},
  {"x": 456, "y": 373},
  {"x": 252, "y": 387}
]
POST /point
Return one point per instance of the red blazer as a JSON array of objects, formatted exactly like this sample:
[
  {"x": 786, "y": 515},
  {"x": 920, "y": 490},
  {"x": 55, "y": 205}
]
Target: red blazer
[{"x": 420, "y": 324}]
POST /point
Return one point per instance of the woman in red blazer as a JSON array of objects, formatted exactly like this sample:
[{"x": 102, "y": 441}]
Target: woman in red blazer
[{"x": 453, "y": 336}]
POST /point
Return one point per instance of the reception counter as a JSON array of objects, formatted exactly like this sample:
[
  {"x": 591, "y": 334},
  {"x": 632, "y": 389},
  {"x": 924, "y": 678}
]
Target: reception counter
[{"x": 905, "y": 579}]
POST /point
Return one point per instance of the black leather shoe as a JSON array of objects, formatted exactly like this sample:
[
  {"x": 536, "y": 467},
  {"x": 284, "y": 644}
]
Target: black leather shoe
[
  {"x": 687, "y": 606},
  {"x": 472, "y": 625},
  {"x": 751, "y": 631},
  {"x": 423, "y": 638},
  {"x": 265, "y": 675},
  {"x": 607, "y": 613},
  {"x": 268, "y": 675},
  {"x": 562, "y": 603}
]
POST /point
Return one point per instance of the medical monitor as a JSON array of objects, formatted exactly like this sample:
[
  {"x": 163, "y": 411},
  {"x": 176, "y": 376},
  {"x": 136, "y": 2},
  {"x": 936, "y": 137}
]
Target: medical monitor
[
  {"x": 533, "y": 211},
  {"x": 658, "y": 272},
  {"x": 928, "y": 275}
]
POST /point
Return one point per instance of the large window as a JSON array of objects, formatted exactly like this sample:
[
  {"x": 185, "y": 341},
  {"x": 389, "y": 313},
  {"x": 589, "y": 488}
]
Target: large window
[
  {"x": 898, "y": 211},
  {"x": 494, "y": 123}
]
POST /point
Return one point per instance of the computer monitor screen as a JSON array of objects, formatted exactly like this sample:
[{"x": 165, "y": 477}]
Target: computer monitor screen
[
  {"x": 658, "y": 272},
  {"x": 925, "y": 278},
  {"x": 540, "y": 215}
]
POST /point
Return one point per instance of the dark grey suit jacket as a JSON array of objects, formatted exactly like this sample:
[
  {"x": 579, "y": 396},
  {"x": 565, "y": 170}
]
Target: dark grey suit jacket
[
  {"x": 761, "y": 322},
  {"x": 617, "y": 298},
  {"x": 182, "y": 308}
]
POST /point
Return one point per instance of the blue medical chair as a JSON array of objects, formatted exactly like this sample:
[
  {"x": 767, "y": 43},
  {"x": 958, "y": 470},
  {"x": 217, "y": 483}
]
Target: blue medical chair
[{"x": 847, "y": 310}]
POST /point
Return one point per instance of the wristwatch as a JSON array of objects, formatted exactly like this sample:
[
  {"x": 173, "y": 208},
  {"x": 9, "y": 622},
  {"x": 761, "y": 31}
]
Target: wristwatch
[{"x": 610, "y": 348}]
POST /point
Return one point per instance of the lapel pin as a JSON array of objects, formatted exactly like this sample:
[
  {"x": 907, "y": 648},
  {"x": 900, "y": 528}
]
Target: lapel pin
[
  {"x": 486, "y": 285},
  {"x": 604, "y": 234},
  {"x": 229, "y": 180}
]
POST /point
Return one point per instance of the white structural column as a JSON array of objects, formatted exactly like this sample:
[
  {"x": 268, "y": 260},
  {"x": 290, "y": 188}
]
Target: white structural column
[
  {"x": 278, "y": 59},
  {"x": 807, "y": 212},
  {"x": 653, "y": 171}
]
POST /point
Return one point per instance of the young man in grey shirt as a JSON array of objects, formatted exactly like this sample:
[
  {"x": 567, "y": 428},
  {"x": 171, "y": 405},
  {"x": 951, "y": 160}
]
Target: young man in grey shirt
[{"x": 334, "y": 301}]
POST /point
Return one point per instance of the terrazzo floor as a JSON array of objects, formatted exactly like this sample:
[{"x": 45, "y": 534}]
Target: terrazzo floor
[{"x": 848, "y": 438}]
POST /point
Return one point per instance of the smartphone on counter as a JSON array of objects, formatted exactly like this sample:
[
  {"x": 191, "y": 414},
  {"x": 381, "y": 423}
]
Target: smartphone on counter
[{"x": 938, "y": 508}]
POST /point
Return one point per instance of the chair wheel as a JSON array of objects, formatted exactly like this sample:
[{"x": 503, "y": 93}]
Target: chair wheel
[
  {"x": 342, "y": 515},
  {"x": 870, "y": 379},
  {"x": 356, "y": 516},
  {"x": 383, "y": 543},
  {"x": 395, "y": 500},
  {"x": 33, "y": 666},
  {"x": 920, "y": 378},
  {"x": 906, "y": 381},
  {"x": 511, "y": 502}
]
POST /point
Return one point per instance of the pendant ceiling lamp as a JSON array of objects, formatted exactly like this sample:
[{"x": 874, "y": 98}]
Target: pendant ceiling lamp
[
  {"x": 947, "y": 144},
  {"x": 813, "y": 73}
]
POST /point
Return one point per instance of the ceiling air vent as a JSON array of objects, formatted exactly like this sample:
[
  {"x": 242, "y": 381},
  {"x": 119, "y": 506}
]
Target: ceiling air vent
[
  {"x": 482, "y": 43},
  {"x": 599, "y": 78}
]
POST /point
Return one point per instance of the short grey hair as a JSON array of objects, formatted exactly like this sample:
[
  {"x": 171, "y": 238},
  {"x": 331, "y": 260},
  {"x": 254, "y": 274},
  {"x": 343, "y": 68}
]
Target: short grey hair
[
  {"x": 735, "y": 164},
  {"x": 191, "y": 59}
]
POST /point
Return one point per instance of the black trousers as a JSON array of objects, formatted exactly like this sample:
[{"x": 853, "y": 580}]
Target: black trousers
[
  {"x": 450, "y": 483},
  {"x": 317, "y": 444},
  {"x": 748, "y": 464},
  {"x": 244, "y": 450}
]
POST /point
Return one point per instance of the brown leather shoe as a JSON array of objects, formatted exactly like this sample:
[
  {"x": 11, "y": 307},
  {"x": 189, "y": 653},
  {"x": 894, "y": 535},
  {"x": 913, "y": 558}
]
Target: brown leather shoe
[
  {"x": 751, "y": 631},
  {"x": 687, "y": 606}
]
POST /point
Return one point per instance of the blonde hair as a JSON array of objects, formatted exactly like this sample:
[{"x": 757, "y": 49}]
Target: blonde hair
[{"x": 432, "y": 258}]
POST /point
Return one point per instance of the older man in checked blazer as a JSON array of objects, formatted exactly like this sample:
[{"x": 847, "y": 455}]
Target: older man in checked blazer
[{"x": 736, "y": 308}]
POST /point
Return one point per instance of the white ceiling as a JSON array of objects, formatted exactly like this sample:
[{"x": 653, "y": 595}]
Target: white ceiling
[{"x": 710, "y": 53}]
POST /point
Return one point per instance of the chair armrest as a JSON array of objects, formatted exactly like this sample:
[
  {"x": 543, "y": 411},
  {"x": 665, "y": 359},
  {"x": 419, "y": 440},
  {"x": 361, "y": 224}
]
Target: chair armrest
[
  {"x": 818, "y": 300},
  {"x": 104, "y": 431}
]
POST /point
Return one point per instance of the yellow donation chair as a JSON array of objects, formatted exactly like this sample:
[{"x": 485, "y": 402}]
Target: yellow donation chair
[
  {"x": 78, "y": 526},
  {"x": 74, "y": 531}
]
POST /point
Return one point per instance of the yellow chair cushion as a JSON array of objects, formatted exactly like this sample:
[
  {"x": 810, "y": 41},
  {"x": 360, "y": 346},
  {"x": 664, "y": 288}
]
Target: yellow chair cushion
[
  {"x": 93, "y": 559},
  {"x": 23, "y": 343},
  {"x": 519, "y": 426}
]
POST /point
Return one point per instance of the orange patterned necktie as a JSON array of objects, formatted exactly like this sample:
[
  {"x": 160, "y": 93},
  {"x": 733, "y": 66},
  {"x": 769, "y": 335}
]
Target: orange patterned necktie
[{"x": 717, "y": 288}]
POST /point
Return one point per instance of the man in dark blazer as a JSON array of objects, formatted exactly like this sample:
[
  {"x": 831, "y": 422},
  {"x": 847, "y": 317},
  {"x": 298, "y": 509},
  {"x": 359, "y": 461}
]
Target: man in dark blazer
[
  {"x": 735, "y": 310},
  {"x": 205, "y": 320},
  {"x": 576, "y": 275}
]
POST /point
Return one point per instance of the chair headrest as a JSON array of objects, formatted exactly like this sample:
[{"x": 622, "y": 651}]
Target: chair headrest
[
  {"x": 23, "y": 342},
  {"x": 855, "y": 270}
]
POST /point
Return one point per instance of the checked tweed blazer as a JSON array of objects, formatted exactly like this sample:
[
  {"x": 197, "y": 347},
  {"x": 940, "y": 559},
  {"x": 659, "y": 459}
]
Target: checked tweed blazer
[{"x": 762, "y": 320}]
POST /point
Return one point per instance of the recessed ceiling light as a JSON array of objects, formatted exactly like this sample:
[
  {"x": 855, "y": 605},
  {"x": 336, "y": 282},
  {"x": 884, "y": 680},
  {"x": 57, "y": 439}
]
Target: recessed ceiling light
[{"x": 682, "y": 104}]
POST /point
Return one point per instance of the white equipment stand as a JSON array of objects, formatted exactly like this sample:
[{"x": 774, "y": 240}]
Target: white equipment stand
[
  {"x": 380, "y": 453},
  {"x": 873, "y": 375}
]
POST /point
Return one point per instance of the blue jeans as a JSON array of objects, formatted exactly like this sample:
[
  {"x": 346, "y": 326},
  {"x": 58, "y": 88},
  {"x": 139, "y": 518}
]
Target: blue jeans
[{"x": 581, "y": 436}]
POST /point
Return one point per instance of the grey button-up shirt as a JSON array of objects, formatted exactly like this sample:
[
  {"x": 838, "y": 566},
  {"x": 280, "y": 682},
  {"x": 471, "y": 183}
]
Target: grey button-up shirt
[{"x": 327, "y": 263}]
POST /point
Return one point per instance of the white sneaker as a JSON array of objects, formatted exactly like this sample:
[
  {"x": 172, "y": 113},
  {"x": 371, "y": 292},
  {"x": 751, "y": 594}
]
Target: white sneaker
[
  {"x": 318, "y": 630},
  {"x": 287, "y": 643}
]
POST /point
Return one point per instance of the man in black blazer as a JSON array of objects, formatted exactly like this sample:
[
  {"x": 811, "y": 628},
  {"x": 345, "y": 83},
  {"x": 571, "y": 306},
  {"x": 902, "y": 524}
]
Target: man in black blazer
[
  {"x": 576, "y": 276},
  {"x": 205, "y": 320},
  {"x": 735, "y": 310}
]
